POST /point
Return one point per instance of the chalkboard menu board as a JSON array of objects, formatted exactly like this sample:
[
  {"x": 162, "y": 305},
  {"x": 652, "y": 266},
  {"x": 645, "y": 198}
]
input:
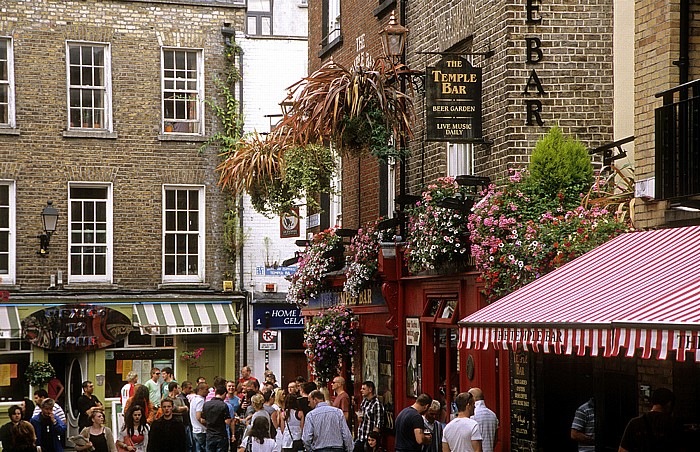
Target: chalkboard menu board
[{"x": 521, "y": 396}]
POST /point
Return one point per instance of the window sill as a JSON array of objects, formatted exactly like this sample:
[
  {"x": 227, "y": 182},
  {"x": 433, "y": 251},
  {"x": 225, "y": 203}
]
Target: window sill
[
  {"x": 330, "y": 46},
  {"x": 177, "y": 137},
  {"x": 9, "y": 131},
  {"x": 99, "y": 134},
  {"x": 90, "y": 286},
  {"x": 10, "y": 287},
  {"x": 382, "y": 9},
  {"x": 183, "y": 285}
]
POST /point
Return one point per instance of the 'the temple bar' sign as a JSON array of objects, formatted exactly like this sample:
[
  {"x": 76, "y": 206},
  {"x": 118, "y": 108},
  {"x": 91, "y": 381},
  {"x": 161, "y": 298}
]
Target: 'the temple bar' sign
[{"x": 453, "y": 101}]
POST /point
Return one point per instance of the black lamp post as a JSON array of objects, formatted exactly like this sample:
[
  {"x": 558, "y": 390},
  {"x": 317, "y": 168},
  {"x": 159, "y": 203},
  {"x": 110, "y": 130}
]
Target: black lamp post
[{"x": 49, "y": 218}]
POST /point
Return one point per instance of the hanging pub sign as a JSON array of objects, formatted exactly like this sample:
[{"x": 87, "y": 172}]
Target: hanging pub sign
[
  {"x": 75, "y": 327},
  {"x": 289, "y": 224},
  {"x": 453, "y": 101}
]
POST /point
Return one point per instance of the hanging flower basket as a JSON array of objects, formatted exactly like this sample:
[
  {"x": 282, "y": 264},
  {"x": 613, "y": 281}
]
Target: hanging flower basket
[
  {"x": 330, "y": 337},
  {"x": 39, "y": 373},
  {"x": 192, "y": 357}
]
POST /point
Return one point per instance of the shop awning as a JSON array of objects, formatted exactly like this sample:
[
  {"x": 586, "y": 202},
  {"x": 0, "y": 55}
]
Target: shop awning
[
  {"x": 641, "y": 290},
  {"x": 184, "y": 318},
  {"x": 10, "y": 326}
]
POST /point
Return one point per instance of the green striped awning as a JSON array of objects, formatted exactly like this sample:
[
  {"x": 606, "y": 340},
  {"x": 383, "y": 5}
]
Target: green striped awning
[
  {"x": 10, "y": 327},
  {"x": 185, "y": 318}
]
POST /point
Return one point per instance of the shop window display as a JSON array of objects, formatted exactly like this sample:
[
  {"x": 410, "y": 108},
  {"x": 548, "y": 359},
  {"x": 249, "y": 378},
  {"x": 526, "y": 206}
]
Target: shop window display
[
  {"x": 15, "y": 356},
  {"x": 139, "y": 353},
  {"x": 378, "y": 366}
]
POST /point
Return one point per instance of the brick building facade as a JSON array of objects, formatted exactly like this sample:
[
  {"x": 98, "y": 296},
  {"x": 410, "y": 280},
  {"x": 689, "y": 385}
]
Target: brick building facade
[{"x": 105, "y": 118}]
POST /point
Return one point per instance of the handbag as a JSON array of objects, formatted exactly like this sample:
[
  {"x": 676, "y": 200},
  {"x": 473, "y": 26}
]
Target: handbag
[
  {"x": 127, "y": 441},
  {"x": 297, "y": 444}
]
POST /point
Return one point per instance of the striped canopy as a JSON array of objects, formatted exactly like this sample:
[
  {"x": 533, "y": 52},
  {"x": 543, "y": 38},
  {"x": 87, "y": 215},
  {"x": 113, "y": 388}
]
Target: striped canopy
[
  {"x": 184, "y": 318},
  {"x": 641, "y": 290}
]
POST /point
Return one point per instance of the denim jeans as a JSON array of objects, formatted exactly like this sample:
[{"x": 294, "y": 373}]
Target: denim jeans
[
  {"x": 217, "y": 443},
  {"x": 188, "y": 438},
  {"x": 200, "y": 442}
]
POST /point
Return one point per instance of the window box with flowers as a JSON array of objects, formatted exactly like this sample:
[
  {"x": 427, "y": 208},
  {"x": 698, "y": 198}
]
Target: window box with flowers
[
  {"x": 438, "y": 237},
  {"x": 364, "y": 263},
  {"x": 330, "y": 337},
  {"x": 324, "y": 254}
]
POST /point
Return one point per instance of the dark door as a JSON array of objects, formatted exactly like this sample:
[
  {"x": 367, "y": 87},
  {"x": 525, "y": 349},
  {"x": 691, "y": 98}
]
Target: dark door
[{"x": 294, "y": 361}]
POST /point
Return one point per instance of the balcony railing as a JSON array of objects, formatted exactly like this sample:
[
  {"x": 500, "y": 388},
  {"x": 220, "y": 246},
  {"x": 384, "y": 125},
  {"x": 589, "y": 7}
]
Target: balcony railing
[{"x": 678, "y": 142}]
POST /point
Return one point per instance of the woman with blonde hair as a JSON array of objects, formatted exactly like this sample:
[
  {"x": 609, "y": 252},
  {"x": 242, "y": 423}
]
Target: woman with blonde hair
[{"x": 99, "y": 438}]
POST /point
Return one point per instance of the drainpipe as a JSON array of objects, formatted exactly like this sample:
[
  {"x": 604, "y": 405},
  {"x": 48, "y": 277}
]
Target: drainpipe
[
  {"x": 402, "y": 165},
  {"x": 683, "y": 62}
]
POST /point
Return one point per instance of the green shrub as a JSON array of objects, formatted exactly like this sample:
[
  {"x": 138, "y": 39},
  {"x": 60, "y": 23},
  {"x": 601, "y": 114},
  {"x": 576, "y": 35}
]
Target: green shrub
[{"x": 559, "y": 164}]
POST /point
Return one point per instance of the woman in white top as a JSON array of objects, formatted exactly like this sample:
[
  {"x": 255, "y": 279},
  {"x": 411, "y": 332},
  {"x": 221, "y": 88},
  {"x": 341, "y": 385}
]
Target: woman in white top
[
  {"x": 292, "y": 423},
  {"x": 258, "y": 439},
  {"x": 280, "y": 398}
]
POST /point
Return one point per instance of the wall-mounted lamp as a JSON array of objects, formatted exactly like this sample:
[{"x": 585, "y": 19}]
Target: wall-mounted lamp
[
  {"x": 100, "y": 379},
  {"x": 393, "y": 38},
  {"x": 49, "y": 218}
]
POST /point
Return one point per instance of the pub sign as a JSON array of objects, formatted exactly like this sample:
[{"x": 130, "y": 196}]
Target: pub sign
[{"x": 453, "y": 101}]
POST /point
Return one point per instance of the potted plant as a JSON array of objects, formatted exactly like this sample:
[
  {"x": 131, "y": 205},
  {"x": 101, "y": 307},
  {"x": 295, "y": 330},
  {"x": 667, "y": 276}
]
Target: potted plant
[
  {"x": 191, "y": 357},
  {"x": 39, "y": 373}
]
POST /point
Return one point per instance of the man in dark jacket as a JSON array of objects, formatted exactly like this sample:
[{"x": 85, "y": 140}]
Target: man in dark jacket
[
  {"x": 217, "y": 415},
  {"x": 167, "y": 434},
  {"x": 49, "y": 428}
]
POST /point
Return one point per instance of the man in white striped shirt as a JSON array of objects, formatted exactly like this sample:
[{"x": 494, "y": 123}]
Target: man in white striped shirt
[
  {"x": 487, "y": 420},
  {"x": 325, "y": 428},
  {"x": 39, "y": 396}
]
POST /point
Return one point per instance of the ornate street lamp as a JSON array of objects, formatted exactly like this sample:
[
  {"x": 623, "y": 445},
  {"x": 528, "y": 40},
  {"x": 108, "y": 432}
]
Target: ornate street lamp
[
  {"x": 393, "y": 38},
  {"x": 49, "y": 218}
]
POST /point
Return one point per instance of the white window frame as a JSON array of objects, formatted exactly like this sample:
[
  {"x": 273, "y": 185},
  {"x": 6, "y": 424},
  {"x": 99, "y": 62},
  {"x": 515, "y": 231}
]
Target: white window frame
[
  {"x": 9, "y": 278},
  {"x": 391, "y": 187},
  {"x": 199, "y": 277},
  {"x": 107, "y": 277},
  {"x": 335, "y": 210},
  {"x": 460, "y": 159},
  {"x": 200, "y": 94},
  {"x": 11, "y": 121},
  {"x": 333, "y": 31},
  {"x": 107, "y": 94}
]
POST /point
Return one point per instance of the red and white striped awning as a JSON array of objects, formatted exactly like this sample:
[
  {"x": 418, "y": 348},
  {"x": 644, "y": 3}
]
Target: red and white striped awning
[{"x": 640, "y": 290}]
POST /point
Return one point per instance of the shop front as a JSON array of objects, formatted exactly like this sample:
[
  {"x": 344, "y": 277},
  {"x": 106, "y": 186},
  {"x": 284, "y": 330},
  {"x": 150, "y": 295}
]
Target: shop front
[
  {"x": 613, "y": 325},
  {"x": 102, "y": 341}
]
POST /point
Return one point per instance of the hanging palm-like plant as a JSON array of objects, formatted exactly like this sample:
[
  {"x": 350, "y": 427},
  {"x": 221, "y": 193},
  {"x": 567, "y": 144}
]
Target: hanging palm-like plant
[{"x": 360, "y": 110}]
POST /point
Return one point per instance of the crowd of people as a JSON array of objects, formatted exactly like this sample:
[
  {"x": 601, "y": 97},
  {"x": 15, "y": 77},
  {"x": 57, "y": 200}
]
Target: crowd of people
[{"x": 243, "y": 415}]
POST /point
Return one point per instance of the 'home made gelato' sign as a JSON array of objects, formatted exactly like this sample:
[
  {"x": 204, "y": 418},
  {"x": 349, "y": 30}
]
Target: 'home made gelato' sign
[{"x": 453, "y": 101}]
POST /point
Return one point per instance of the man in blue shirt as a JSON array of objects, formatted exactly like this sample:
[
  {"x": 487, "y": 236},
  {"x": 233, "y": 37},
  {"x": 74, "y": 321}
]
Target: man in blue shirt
[
  {"x": 325, "y": 428},
  {"x": 49, "y": 428}
]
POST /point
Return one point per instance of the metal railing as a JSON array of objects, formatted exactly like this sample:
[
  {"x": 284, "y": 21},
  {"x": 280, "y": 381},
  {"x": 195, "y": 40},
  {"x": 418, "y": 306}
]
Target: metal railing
[{"x": 678, "y": 142}]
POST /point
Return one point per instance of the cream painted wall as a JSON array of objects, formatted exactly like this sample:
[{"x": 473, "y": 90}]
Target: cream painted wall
[{"x": 623, "y": 73}]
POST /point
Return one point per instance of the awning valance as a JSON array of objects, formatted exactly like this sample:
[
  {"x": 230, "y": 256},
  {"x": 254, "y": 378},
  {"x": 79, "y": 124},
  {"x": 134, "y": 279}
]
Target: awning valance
[
  {"x": 641, "y": 290},
  {"x": 10, "y": 326},
  {"x": 184, "y": 318}
]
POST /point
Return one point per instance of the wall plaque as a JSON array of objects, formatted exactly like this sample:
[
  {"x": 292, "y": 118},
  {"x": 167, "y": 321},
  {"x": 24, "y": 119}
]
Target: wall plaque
[
  {"x": 453, "y": 101},
  {"x": 75, "y": 327}
]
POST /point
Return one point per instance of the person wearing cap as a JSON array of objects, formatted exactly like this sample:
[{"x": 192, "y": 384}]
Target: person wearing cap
[{"x": 128, "y": 389}]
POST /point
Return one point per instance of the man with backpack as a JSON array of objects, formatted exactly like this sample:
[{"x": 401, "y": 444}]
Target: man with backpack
[
  {"x": 652, "y": 431},
  {"x": 370, "y": 415}
]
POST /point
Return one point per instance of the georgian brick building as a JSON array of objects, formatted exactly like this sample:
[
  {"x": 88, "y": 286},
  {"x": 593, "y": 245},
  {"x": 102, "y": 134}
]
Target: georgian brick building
[{"x": 102, "y": 112}]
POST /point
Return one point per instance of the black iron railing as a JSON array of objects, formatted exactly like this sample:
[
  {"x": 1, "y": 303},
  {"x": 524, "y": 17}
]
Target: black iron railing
[{"x": 678, "y": 142}]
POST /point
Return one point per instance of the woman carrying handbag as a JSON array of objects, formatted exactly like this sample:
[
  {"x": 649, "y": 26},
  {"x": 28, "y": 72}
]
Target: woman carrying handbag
[{"x": 292, "y": 426}]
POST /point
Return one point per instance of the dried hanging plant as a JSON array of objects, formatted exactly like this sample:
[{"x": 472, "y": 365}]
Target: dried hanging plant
[{"x": 357, "y": 110}]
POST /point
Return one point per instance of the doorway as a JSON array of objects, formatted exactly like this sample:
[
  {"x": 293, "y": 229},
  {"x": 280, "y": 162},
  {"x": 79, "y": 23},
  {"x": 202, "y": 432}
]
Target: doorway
[
  {"x": 72, "y": 371},
  {"x": 294, "y": 361}
]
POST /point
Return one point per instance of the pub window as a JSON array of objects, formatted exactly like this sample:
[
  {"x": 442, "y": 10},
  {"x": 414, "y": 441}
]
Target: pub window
[
  {"x": 183, "y": 91},
  {"x": 7, "y": 232},
  {"x": 377, "y": 366},
  {"x": 89, "y": 86},
  {"x": 183, "y": 234},
  {"x": 14, "y": 360},
  {"x": 331, "y": 21},
  {"x": 460, "y": 159}
]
